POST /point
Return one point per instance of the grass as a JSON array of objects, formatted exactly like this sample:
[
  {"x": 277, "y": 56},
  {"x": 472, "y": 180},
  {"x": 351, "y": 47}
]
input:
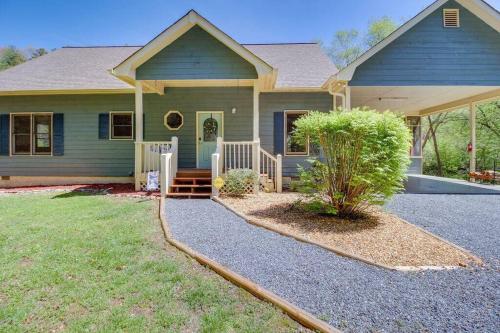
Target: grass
[{"x": 99, "y": 263}]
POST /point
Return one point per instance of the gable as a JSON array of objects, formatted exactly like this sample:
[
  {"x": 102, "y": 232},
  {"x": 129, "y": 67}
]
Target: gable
[
  {"x": 196, "y": 55},
  {"x": 429, "y": 54}
]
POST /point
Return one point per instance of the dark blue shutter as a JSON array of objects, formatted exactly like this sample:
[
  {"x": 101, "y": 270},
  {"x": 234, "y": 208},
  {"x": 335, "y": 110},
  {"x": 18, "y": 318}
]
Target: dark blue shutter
[
  {"x": 4, "y": 134},
  {"x": 58, "y": 134},
  {"x": 103, "y": 126},
  {"x": 279, "y": 135}
]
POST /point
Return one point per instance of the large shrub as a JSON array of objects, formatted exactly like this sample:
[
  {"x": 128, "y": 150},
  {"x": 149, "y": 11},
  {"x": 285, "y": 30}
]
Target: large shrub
[{"x": 365, "y": 155}]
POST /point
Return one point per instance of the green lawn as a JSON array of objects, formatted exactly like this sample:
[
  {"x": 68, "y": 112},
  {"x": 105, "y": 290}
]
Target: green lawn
[{"x": 74, "y": 262}]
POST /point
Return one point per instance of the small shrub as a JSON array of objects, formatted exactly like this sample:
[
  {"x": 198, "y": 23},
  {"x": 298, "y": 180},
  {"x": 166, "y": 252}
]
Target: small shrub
[
  {"x": 238, "y": 180},
  {"x": 365, "y": 157}
]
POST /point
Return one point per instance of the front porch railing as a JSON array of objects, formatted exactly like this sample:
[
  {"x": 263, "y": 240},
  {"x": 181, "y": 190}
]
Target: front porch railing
[
  {"x": 147, "y": 158},
  {"x": 247, "y": 155}
]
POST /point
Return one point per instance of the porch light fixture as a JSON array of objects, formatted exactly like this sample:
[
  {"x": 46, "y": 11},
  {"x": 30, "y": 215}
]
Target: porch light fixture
[
  {"x": 173, "y": 120},
  {"x": 233, "y": 110}
]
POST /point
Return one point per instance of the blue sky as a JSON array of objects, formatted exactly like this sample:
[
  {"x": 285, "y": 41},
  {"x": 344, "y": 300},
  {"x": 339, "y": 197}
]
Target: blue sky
[{"x": 55, "y": 23}]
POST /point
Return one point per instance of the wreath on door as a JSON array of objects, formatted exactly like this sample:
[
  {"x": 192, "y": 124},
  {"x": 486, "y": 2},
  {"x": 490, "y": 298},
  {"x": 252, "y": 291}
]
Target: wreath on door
[{"x": 210, "y": 128}]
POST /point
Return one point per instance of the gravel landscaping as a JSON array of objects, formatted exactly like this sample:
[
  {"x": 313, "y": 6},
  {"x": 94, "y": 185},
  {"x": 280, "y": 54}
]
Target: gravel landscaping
[
  {"x": 379, "y": 237},
  {"x": 353, "y": 296}
]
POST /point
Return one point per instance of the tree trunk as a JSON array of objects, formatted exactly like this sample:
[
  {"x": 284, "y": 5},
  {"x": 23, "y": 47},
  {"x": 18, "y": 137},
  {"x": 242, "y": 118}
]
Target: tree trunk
[{"x": 436, "y": 149}]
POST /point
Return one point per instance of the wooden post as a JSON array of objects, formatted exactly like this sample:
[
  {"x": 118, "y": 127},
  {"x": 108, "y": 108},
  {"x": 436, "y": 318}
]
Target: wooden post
[
  {"x": 255, "y": 110},
  {"x": 215, "y": 172},
  {"x": 348, "y": 98},
  {"x": 138, "y": 135},
  {"x": 163, "y": 175},
  {"x": 175, "y": 155},
  {"x": 256, "y": 162},
  {"x": 279, "y": 173},
  {"x": 472, "y": 120},
  {"x": 220, "y": 151},
  {"x": 138, "y": 166}
]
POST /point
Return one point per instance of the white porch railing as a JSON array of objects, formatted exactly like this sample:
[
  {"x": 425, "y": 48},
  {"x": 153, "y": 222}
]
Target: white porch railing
[
  {"x": 246, "y": 155},
  {"x": 147, "y": 158},
  {"x": 271, "y": 169}
]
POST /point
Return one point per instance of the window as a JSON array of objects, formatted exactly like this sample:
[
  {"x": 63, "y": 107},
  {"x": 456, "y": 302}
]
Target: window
[
  {"x": 173, "y": 120},
  {"x": 451, "y": 18},
  {"x": 122, "y": 125},
  {"x": 31, "y": 134},
  {"x": 292, "y": 145},
  {"x": 414, "y": 123}
]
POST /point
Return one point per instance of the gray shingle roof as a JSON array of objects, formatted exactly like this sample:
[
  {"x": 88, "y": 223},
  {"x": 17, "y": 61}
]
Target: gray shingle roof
[
  {"x": 299, "y": 65},
  {"x": 86, "y": 68}
]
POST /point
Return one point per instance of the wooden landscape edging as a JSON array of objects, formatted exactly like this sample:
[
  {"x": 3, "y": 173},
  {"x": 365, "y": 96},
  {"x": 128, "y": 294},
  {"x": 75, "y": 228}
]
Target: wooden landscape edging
[
  {"x": 301, "y": 316},
  {"x": 350, "y": 255}
]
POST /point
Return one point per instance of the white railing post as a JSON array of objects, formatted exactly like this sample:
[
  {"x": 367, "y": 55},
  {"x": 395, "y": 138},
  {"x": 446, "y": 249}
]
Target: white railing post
[
  {"x": 163, "y": 175},
  {"x": 256, "y": 162},
  {"x": 215, "y": 172},
  {"x": 138, "y": 166},
  {"x": 279, "y": 173},
  {"x": 175, "y": 155},
  {"x": 220, "y": 151}
]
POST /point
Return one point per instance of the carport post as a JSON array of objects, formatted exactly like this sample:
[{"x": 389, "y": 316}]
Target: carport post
[{"x": 472, "y": 120}]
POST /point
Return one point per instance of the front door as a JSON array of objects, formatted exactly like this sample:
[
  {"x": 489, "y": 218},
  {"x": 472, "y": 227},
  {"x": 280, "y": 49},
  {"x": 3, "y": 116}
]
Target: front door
[{"x": 209, "y": 126}]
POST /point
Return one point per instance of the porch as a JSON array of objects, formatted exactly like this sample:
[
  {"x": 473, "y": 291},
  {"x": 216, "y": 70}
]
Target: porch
[{"x": 161, "y": 159}]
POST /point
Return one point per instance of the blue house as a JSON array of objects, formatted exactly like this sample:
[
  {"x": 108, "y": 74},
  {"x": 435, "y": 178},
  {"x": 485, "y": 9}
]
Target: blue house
[{"x": 210, "y": 104}]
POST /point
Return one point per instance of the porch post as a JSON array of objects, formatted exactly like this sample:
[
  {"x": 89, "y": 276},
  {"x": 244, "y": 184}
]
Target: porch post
[
  {"x": 472, "y": 119},
  {"x": 255, "y": 110},
  {"x": 138, "y": 135},
  {"x": 348, "y": 98}
]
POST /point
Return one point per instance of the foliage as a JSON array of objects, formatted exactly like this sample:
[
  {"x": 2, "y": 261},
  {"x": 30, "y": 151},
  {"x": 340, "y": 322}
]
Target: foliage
[
  {"x": 452, "y": 135},
  {"x": 344, "y": 48},
  {"x": 238, "y": 180},
  {"x": 365, "y": 157},
  {"x": 75, "y": 262},
  {"x": 347, "y": 45},
  {"x": 379, "y": 29},
  {"x": 12, "y": 56}
]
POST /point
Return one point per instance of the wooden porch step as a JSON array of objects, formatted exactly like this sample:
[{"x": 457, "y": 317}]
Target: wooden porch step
[
  {"x": 188, "y": 195},
  {"x": 192, "y": 186},
  {"x": 192, "y": 180}
]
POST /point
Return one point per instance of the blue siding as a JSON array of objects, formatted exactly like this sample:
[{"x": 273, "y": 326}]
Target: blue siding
[
  {"x": 278, "y": 102},
  {"x": 429, "y": 54},
  {"x": 84, "y": 153},
  {"x": 237, "y": 127},
  {"x": 196, "y": 55}
]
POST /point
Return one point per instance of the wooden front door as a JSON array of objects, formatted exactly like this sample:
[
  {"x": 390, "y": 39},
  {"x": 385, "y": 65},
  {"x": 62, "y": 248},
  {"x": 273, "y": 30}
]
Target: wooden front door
[{"x": 209, "y": 126}]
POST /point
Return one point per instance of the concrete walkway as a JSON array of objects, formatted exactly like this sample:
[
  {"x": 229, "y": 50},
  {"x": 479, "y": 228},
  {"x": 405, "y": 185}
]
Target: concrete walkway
[{"x": 350, "y": 295}]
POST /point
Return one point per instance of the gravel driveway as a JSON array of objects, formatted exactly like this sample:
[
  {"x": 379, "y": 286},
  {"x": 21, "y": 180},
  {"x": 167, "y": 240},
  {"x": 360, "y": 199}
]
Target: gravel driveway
[{"x": 353, "y": 296}]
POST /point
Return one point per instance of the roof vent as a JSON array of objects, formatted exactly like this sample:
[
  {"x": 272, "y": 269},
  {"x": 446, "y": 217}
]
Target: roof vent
[{"x": 451, "y": 18}]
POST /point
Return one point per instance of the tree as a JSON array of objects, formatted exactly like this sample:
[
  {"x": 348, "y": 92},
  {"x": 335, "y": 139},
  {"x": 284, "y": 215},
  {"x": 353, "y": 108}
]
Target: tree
[
  {"x": 347, "y": 45},
  {"x": 11, "y": 56},
  {"x": 379, "y": 30},
  {"x": 345, "y": 48}
]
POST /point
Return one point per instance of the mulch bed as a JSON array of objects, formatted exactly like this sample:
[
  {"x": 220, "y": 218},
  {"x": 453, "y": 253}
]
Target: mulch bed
[
  {"x": 379, "y": 237},
  {"x": 124, "y": 190}
]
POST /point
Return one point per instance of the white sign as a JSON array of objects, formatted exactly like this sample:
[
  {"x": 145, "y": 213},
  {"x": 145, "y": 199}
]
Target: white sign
[{"x": 152, "y": 181}]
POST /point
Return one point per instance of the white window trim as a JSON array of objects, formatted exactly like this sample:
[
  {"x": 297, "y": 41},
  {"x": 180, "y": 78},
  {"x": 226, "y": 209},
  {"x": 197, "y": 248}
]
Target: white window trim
[
  {"x": 165, "y": 120},
  {"x": 111, "y": 113},
  {"x": 285, "y": 145},
  {"x": 451, "y": 10},
  {"x": 11, "y": 128}
]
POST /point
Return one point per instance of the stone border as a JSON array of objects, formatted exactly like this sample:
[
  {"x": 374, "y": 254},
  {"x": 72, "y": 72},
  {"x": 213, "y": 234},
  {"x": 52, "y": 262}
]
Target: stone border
[
  {"x": 301, "y": 316},
  {"x": 350, "y": 255}
]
